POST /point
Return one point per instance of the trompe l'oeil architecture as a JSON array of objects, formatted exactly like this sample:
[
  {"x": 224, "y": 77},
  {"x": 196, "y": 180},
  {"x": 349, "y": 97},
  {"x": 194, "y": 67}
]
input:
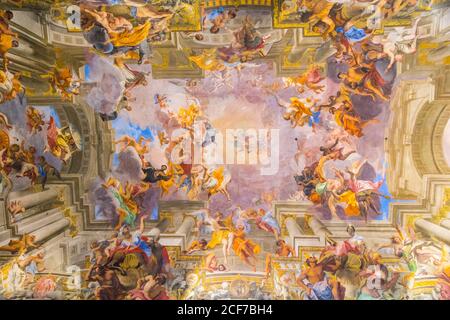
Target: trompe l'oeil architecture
[{"x": 136, "y": 140}]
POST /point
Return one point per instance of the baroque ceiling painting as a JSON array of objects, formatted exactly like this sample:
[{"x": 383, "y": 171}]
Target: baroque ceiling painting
[{"x": 225, "y": 149}]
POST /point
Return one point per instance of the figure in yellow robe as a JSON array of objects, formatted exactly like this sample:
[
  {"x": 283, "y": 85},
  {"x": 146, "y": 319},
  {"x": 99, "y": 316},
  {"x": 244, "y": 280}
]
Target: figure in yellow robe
[
  {"x": 245, "y": 248},
  {"x": 352, "y": 208},
  {"x": 186, "y": 117},
  {"x": 131, "y": 38},
  {"x": 349, "y": 123},
  {"x": 217, "y": 238},
  {"x": 297, "y": 113},
  {"x": 7, "y": 42},
  {"x": 220, "y": 235}
]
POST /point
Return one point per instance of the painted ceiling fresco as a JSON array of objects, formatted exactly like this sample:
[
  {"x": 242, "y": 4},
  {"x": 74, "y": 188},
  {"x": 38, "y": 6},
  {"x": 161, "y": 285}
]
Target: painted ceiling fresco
[{"x": 197, "y": 149}]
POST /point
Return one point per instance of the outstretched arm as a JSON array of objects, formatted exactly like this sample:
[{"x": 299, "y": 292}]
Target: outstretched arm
[
  {"x": 325, "y": 106},
  {"x": 142, "y": 224}
]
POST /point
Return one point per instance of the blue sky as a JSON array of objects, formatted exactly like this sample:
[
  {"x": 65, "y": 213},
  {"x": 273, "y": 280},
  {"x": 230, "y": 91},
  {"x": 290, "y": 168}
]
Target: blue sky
[
  {"x": 122, "y": 126},
  {"x": 385, "y": 202},
  {"x": 50, "y": 111}
]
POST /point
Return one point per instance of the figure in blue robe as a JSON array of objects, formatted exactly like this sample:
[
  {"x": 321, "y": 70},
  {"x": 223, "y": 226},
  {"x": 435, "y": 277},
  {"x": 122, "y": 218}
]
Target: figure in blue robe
[{"x": 353, "y": 34}]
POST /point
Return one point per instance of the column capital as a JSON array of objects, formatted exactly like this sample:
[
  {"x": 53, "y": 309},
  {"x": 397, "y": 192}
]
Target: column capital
[{"x": 187, "y": 215}]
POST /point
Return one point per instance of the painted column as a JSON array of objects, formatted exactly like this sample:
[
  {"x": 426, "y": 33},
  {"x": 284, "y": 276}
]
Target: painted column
[
  {"x": 186, "y": 226},
  {"x": 317, "y": 226},
  {"x": 446, "y": 224},
  {"x": 293, "y": 229},
  {"x": 434, "y": 230},
  {"x": 33, "y": 199},
  {"x": 185, "y": 229}
]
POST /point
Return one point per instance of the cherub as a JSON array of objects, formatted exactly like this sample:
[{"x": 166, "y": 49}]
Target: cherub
[
  {"x": 218, "y": 18},
  {"x": 15, "y": 207},
  {"x": 63, "y": 82},
  {"x": 310, "y": 79},
  {"x": 35, "y": 120},
  {"x": 339, "y": 100},
  {"x": 163, "y": 139},
  {"x": 161, "y": 101},
  {"x": 10, "y": 85},
  {"x": 186, "y": 117},
  {"x": 296, "y": 111},
  {"x": 8, "y": 38},
  {"x": 61, "y": 142},
  {"x": 222, "y": 79},
  {"x": 140, "y": 146},
  {"x": 400, "y": 42},
  {"x": 26, "y": 242}
]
